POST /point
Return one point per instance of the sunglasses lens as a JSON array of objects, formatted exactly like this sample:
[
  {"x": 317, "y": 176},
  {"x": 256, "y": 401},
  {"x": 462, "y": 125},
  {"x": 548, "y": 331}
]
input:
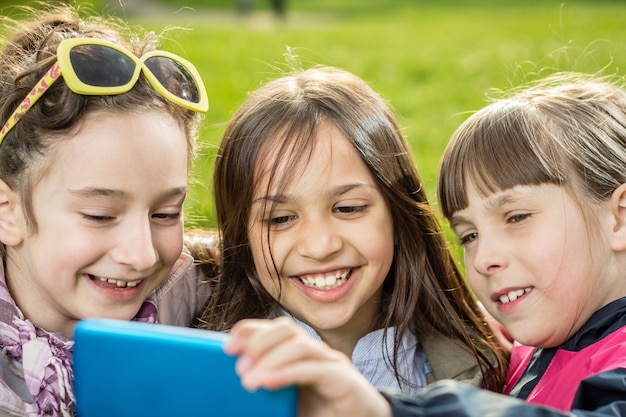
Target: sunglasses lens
[
  {"x": 174, "y": 77},
  {"x": 101, "y": 66}
]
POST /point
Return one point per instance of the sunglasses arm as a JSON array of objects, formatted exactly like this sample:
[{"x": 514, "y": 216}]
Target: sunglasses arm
[{"x": 29, "y": 101}]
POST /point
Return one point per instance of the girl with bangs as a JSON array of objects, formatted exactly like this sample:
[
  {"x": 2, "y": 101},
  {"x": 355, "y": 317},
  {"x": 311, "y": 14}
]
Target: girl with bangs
[
  {"x": 324, "y": 219},
  {"x": 534, "y": 186}
]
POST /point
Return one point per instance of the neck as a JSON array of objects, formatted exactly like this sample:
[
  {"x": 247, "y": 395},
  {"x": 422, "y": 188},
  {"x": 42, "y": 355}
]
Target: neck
[
  {"x": 341, "y": 341},
  {"x": 344, "y": 339},
  {"x": 26, "y": 298}
]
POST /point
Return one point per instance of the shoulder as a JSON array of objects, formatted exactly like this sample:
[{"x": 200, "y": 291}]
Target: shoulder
[
  {"x": 601, "y": 390},
  {"x": 449, "y": 359},
  {"x": 182, "y": 294}
]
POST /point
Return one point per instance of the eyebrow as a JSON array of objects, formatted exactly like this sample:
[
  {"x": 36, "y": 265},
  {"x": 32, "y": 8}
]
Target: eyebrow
[
  {"x": 491, "y": 203},
  {"x": 457, "y": 220},
  {"x": 335, "y": 192},
  {"x": 90, "y": 192},
  {"x": 495, "y": 202}
]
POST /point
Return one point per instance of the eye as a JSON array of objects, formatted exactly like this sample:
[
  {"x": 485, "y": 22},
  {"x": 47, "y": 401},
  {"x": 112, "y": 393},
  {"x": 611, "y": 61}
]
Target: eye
[
  {"x": 166, "y": 217},
  {"x": 281, "y": 220},
  {"x": 351, "y": 209},
  {"x": 517, "y": 218},
  {"x": 97, "y": 218},
  {"x": 468, "y": 238}
]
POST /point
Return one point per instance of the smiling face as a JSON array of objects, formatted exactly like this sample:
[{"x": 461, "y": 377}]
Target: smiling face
[
  {"x": 109, "y": 224},
  {"x": 330, "y": 237},
  {"x": 537, "y": 263}
]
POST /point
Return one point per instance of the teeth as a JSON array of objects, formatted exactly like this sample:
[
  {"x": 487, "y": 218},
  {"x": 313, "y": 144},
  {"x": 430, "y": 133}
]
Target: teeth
[
  {"x": 513, "y": 295},
  {"x": 119, "y": 283},
  {"x": 326, "y": 282},
  {"x": 320, "y": 282}
]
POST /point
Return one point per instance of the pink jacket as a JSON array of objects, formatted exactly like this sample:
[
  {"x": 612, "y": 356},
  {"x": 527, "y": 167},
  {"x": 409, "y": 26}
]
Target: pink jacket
[{"x": 553, "y": 376}]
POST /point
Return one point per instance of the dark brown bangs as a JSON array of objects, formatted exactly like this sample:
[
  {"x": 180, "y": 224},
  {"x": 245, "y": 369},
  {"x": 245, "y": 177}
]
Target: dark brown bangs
[
  {"x": 286, "y": 155},
  {"x": 503, "y": 145}
]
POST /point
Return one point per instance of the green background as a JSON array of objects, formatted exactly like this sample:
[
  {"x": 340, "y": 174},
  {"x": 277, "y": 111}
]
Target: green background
[{"x": 434, "y": 60}]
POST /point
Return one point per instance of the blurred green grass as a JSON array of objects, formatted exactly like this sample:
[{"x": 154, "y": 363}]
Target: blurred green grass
[{"x": 433, "y": 60}]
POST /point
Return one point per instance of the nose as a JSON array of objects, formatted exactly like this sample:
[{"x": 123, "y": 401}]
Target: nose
[
  {"x": 318, "y": 239},
  {"x": 135, "y": 247},
  {"x": 489, "y": 256}
]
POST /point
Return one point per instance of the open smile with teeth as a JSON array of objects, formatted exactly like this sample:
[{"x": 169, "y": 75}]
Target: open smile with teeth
[
  {"x": 326, "y": 281},
  {"x": 513, "y": 295},
  {"x": 117, "y": 283}
]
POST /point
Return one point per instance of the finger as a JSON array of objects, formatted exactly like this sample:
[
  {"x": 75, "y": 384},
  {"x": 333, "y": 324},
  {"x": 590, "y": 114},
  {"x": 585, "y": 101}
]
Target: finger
[
  {"x": 299, "y": 349},
  {"x": 256, "y": 337},
  {"x": 253, "y": 340}
]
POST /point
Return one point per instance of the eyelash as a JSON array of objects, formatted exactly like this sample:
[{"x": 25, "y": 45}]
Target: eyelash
[
  {"x": 345, "y": 210},
  {"x": 516, "y": 218},
  {"x": 158, "y": 216},
  {"x": 512, "y": 219},
  {"x": 173, "y": 216},
  {"x": 280, "y": 220},
  {"x": 351, "y": 209},
  {"x": 468, "y": 238},
  {"x": 97, "y": 219}
]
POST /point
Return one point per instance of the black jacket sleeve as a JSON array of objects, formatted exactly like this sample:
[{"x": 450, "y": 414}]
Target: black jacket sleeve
[{"x": 602, "y": 395}]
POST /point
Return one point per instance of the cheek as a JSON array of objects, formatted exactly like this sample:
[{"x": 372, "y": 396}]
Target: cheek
[
  {"x": 257, "y": 248},
  {"x": 384, "y": 251},
  {"x": 263, "y": 261},
  {"x": 475, "y": 281},
  {"x": 381, "y": 240},
  {"x": 267, "y": 276},
  {"x": 170, "y": 244}
]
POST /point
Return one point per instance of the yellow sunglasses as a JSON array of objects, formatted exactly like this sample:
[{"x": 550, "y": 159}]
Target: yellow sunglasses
[{"x": 98, "y": 67}]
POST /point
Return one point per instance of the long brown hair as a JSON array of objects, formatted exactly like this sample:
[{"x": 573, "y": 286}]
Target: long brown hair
[{"x": 424, "y": 291}]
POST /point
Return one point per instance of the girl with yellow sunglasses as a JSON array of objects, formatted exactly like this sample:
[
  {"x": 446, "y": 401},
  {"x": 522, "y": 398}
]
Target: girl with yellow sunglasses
[{"x": 96, "y": 142}]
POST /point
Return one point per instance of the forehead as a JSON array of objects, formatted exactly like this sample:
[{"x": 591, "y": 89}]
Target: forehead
[
  {"x": 284, "y": 159},
  {"x": 140, "y": 149}
]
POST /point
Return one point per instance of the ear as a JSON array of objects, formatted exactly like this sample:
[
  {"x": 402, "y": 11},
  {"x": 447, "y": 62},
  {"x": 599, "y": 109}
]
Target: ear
[
  {"x": 617, "y": 205},
  {"x": 11, "y": 217}
]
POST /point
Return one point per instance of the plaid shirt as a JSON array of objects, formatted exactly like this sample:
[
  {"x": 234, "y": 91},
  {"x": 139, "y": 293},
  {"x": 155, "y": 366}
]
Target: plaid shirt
[{"x": 372, "y": 357}]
